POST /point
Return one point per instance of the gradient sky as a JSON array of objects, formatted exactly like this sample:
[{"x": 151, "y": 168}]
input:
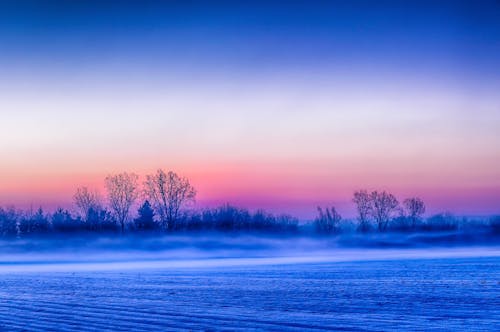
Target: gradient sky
[{"x": 281, "y": 105}]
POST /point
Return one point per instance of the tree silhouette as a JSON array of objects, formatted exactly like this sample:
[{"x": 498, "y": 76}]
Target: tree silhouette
[
  {"x": 63, "y": 221},
  {"x": 384, "y": 205},
  {"x": 34, "y": 222},
  {"x": 85, "y": 200},
  {"x": 364, "y": 207},
  {"x": 328, "y": 220},
  {"x": 122, "y": 192},
  {"x": 100, "y": 220},
  {"x": 414, "y": 209},
  {"x": 145, "y": 221},
  {"x": 169, "y": 193},
  {"x": 9, "y": 221}
]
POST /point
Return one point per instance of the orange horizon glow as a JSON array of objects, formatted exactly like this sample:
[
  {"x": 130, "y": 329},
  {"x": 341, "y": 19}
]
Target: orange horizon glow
[{"x": 294, "y": 188}]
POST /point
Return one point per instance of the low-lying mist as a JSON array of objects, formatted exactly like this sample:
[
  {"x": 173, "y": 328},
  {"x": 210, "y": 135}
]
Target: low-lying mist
[{"x": 222, "y": 250}]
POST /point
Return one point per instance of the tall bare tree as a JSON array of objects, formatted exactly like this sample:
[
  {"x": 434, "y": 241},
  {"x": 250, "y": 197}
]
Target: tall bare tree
[
  {"x": 169, "y": 193},
  {"x": 122, "y": 193},
  {"x": 85, "y": 200},
  {"x": 364, "y": 207},
  {"x": 414, "y": 209},
  {"x": 384, "y": 205}
]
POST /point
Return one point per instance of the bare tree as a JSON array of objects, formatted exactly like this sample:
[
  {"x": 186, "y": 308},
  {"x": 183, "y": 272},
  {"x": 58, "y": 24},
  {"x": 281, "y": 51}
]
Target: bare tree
[
  {"x": 414, "y": 209},
  {"x": 169, "y": 193},
  {"x": 364, "y": 207},
  {"x": 85, "y": 200},
  {"x": 122, "y": 193},
  {"x": 384, "y": 205}
]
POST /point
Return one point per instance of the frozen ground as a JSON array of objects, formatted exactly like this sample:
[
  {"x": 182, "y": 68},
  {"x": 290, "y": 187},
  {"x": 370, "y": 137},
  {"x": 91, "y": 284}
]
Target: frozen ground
[{"x": 445, "y": 289}]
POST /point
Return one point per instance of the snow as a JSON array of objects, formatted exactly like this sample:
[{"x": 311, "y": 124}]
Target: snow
[{"x": 349, "y": 289}]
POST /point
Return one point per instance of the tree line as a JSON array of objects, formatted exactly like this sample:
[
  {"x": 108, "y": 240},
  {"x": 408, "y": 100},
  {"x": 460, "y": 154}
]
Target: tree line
[
  {"x": 380, "y": 211},
  {"x": 376, "y": 209},
  {"x": 165, "y": 205}
]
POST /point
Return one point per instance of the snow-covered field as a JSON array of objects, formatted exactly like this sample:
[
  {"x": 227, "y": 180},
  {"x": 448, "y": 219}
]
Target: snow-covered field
[{"x": 345, "y": 289}]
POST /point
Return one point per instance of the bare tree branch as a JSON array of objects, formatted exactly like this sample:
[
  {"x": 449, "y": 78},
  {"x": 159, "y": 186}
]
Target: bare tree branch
[
  {"x": 414, "y": 209},
  {"x": 169, "y": 193},
  {"x": 122, "y": 192},
  {"x": 85, "y": 200}
]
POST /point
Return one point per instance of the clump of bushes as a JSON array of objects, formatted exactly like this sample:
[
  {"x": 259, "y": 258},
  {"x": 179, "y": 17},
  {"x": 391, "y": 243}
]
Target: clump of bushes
[
  {"x": 441, "y": 222},
  {"x": 227, "y": 218},
  {"x": 495, "y": 224}
]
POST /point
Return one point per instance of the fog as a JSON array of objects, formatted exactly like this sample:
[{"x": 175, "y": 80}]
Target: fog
[{"x": 223, "y": 251}]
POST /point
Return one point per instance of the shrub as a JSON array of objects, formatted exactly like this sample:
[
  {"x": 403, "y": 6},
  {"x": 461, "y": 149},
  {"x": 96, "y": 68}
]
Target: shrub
[
  {"x": 63, "y": 222},
  {"x": 34, "y": 223},
  {"x": 9, "y": 222},
  {"x": 441, "y": 222},
  {"x": 328, "y": 221}
]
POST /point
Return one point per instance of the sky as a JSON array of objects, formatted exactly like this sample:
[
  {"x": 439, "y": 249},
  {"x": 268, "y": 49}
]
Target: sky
[{"x": 282, "y": 105}]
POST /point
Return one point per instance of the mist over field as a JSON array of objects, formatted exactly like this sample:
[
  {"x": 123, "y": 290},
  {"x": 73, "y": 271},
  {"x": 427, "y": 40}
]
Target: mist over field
[
  {"x": 299, "y": 165},
  {"x": 223, "y": 250},
  {"x": 220, "y": 282}
]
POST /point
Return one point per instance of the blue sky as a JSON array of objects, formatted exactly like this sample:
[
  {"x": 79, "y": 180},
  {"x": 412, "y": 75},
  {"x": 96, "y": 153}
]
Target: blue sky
[
  {"x": 449, "y": 36},
  {"x": 284, "y": 104}
]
